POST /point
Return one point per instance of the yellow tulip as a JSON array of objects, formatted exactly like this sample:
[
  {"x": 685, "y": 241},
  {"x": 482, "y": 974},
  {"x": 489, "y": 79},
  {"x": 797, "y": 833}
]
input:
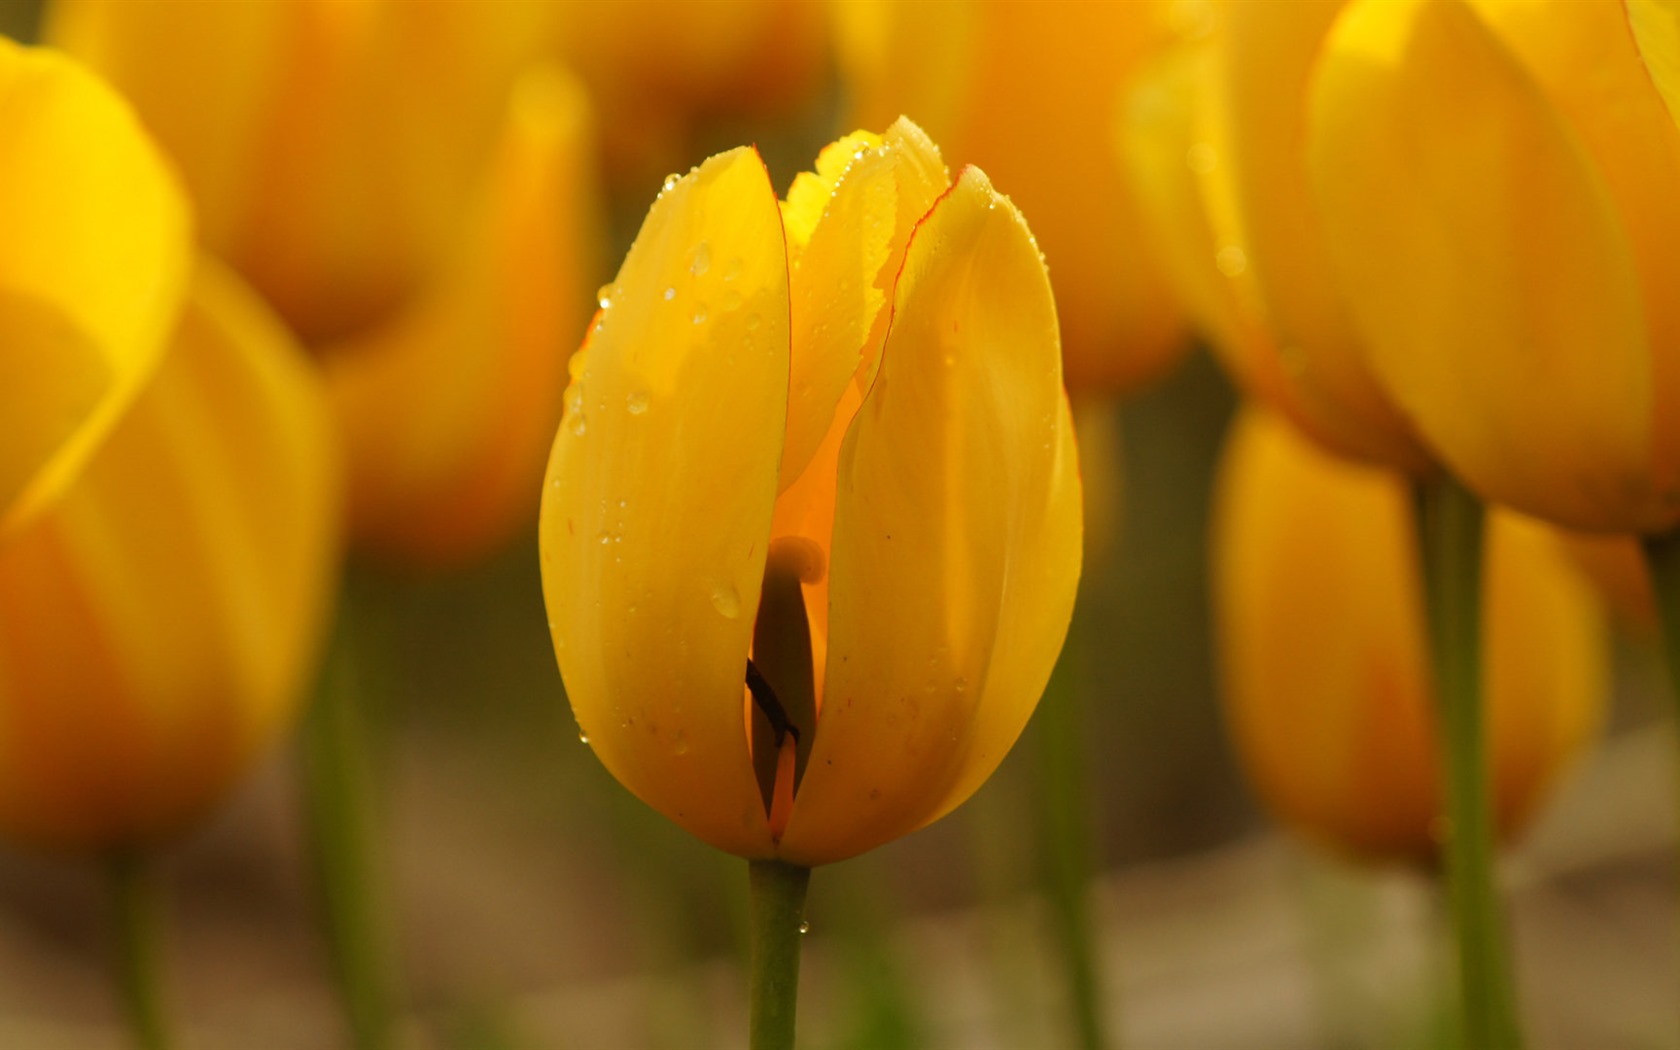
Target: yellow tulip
[
  {"x": 1497, "y": 182},
  {"x": 1324, "y": 654},
  {"x": 92, "y": 266},
  {"x": 415, "y": 200},
  {"x": 830, "y": 436},
  {"x": 1212, "y": 134},
  {"x": 1029, "y": 91},
  {"x": 157, "y": 620}
]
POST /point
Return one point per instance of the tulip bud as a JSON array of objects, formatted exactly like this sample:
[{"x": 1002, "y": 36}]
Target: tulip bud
[
  {"x": 844, "y": 409},
  {"x": 1324, "y": 659},
  {"x": 158, "y": 620}
]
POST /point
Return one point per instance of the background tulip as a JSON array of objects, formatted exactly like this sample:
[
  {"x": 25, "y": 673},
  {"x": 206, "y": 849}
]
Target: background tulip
[
  {"x": 1515, "y": 283},
  {"x": 1212, "y": 133},
  {"x": 1326, "y": 678},
  {"x": 419, "y": 204},
  {"x": 937, "y": 598},
  {"x": 1029, "y": 92},
  {"x": 157, "y": 622},
  {"x": 92, "y": 266}
]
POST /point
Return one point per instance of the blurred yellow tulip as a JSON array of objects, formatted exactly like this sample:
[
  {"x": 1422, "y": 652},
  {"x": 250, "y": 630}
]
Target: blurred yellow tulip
[
  {"x": 1028, "y": 89},
  {"x": 1497, "y": 182},
  {"x": 158, "y": 619},
  {"x": 93, "y": 263},
  {"x": 1324, "y": 657},
  {"x": 1212, "y": 133},
  {"x": 415, "y": 199},
  {"x": 843, "y": 451}
]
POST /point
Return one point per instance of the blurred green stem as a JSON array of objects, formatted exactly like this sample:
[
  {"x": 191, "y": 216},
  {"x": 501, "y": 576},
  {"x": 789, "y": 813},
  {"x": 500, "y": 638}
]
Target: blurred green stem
[
  {"x": 1662, "y": 555},
  {"x": 1450, "y": 537},
  {"x": 337, "y": 787},
  {"x": 138, "y": 918},
  {"x": 778, "y": 923},
  {"x": 1064, "y": 799}
]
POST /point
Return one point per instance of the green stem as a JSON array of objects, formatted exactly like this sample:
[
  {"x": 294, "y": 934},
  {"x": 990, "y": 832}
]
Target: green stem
[
  {"x": 338, "y": 810},
  {"x": 1451, "y": 541},
  {"x": 1065, "y": 814},
  {"x": 778, "y": 922},
  {"x": 139, "y": 940},
  {"x": 1662, "y": 556}
]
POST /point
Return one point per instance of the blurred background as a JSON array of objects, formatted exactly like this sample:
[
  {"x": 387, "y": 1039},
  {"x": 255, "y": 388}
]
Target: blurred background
[{"x": 537, "y": 904}]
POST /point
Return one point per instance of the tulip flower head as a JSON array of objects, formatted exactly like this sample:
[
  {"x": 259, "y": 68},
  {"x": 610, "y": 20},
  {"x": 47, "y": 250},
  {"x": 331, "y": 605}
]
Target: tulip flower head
[
  {"x": 1326, "y": 676},
  {"x": 158, "y": 618},
  {"x": 1497, "y": 182},
  {"x": 812, "y": 528}
]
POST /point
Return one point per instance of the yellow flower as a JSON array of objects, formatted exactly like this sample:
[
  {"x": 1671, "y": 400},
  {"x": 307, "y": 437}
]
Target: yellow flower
[
  {"x": 1028, "y": 89},
  {"x": 1324, "y": 657},
  {"x": 1498, "y": 189},
  {"x": 92, "y": 265},
  {"x": 156, "y": 619},
  {"x": 415, "y": 200},
  {"x": 843, "y": 451},
  {"x": 1213, "y": 135}
]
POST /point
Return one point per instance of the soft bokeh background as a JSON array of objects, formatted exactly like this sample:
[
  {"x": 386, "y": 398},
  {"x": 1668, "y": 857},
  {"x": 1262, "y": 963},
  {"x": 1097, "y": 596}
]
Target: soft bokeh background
[{"x": 539, "y": 905}]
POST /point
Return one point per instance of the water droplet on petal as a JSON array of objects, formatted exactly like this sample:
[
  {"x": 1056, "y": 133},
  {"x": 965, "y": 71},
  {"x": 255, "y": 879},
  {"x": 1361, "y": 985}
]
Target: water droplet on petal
[
  {"x": 804, "y": 926},
  {"x": 700, "y": 314},
  {"x": 636, "y": 402},
  {"x": 726, "y": 601},
  {"x": 1231, "y": 260},
  {"x": 670, "y": 183},
  {"x": 670, "y": 293},
  {"x": 583, "y": 738},
  {"x": 702, "y": 259},
  {"x": 604, "y": 296}
]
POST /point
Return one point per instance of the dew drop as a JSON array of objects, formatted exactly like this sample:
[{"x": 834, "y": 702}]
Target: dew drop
[
  {"x": 962, "y": 685},
  {"x": 636, "y": 402},
  {"x": 583, "y": 738},
  {"x": 753, "y": 322},
  {"x": 700, "y": 314},
  {"x": 732, "y": 269},
  {"x": 1231, "y": 260},
  {"x": 670, "y": 293},
  {"x": 670, "y": 183},
  {"x": 702, "y": 259},
  {"x": 604, "y": 296},
  {"x": 726, "y": 601},
  {"x": 804, "y": 926},
  {"x": 575, "y": 423}
]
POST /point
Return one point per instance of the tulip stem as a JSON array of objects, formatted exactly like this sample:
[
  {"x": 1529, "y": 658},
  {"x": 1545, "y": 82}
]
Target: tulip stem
[
  {"x": 778, "y": 923},
  {"x": 138, "y": 920},
  {"x": 338, "y": 810},
  {"x": 1451, "y": 542},
  {"x": 1662, "y": 556},
  {"x": 1065, "y": 814}
]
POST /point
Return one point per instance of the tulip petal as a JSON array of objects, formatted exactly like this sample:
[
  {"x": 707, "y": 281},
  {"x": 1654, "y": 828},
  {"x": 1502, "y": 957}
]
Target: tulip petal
[
  {"x": 956, "y": 538},
  {"x": 1656, "y": 30},
  {"x": 1494, "y": 284},
  {"x": 1274, "y": 240},
  {"x": 662, "y": 483},
  {"x": 843, "y": 276},
  {"x": 448, "y": 411},
  {"x": 1586, "y": 62},
  {"x": 157, "y": 621},
  {"x": 91, "y": 273}
]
